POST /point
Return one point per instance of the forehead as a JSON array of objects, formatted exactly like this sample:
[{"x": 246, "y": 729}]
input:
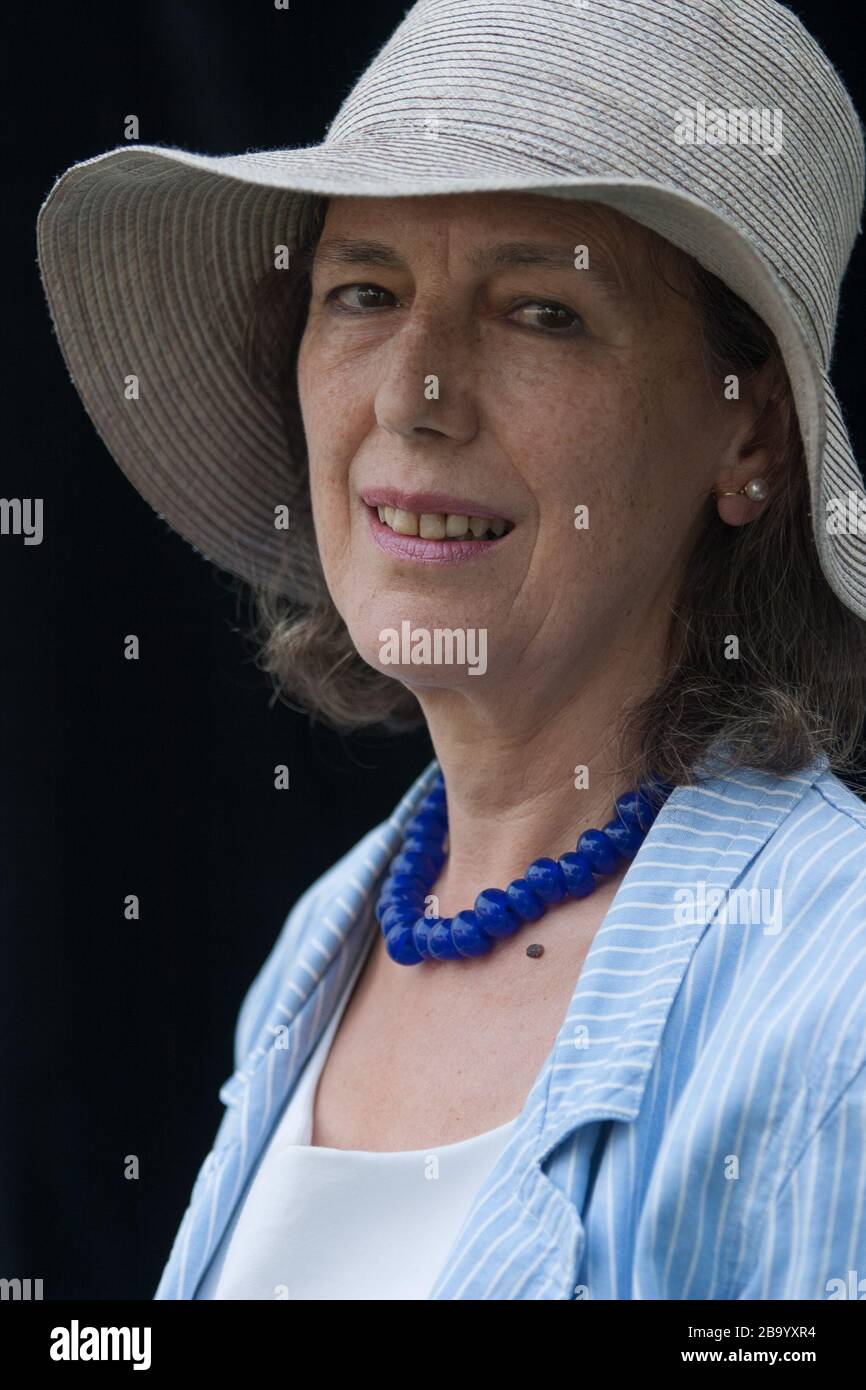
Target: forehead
[
  {"x": 480, "y": 214},
  {"x": 496, "y": 231}
]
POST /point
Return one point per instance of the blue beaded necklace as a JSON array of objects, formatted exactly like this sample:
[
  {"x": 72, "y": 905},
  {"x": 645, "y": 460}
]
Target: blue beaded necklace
[{"x": 411, "y": 936}]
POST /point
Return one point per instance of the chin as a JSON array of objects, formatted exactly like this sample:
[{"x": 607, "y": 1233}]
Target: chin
[{"x": 422, "y": 654}]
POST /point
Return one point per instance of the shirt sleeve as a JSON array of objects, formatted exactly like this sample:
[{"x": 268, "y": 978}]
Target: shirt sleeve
[
  {"x": 814, "y": 1242},
  {"x": 258, "y": 1000}
]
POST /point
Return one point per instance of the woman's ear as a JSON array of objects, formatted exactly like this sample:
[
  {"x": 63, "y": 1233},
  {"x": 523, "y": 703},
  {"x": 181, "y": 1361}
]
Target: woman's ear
[
  {"x": 740, "y": 502},
  {"x": 742, "y": 492}
]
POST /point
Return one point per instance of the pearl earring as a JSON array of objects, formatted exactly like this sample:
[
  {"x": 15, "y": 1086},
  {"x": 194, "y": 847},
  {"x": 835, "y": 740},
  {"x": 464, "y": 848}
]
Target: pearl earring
[{"x": 756, "y": 490}]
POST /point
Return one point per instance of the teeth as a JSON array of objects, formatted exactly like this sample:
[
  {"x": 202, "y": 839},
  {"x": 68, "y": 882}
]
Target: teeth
[
  {"x": 437, "y": 526},
  {"x": 431, "y": 525},
  {"x": 404, "y": 523},
  {"x": 456, "y": 525}
]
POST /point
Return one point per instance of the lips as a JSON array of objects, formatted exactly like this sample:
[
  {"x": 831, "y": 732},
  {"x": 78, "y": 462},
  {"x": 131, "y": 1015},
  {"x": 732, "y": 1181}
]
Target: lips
[
  {"x": 414, "y": 546},
  {"x": 432, "y": 503}
]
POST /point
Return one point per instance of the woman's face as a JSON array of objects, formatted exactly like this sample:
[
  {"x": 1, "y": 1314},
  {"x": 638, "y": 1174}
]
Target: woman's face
[{"x": 453, "y": 347}]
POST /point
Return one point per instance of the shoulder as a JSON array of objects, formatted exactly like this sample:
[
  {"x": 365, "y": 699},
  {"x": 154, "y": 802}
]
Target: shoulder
[
  {"x": 777, "y": 980},
  {"x": 344, "y": 889},
  {"x": 817, "y": 853},
  {"x": 304, "y": 918},
  {"x": 792, "y": 953},
  {"x": 807, "y": 828},
  {"x": 846, "y": 809}
]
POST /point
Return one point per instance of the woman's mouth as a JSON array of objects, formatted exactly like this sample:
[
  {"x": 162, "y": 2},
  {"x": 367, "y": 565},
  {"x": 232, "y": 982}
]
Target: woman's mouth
[{"x": 435, "y": 537}]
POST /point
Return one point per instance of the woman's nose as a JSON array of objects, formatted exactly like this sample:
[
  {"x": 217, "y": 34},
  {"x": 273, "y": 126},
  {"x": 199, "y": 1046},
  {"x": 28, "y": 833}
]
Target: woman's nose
[{"x": 429, "y": 378}]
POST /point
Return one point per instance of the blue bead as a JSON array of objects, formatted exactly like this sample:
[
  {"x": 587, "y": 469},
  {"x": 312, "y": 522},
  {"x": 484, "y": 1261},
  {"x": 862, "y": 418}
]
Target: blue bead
[
  {"x": 397, "y": 881},
  {"x": 407, "y": 901},
  {"x": 395, "y": 913},
  {"x": 577, "y": 872},
  {"x": 599, "y": 850},
  {"x": 421, "y": 844},
  {"x": 401, "y": 883},
  {"x": 400, "y": 945},
  {"x": 495, "y": 913},
  {"x": 432, "y": 823},
  {"x": 546, "y": 879},
  {"x": 392, "y": 889},
  {"x": 396, "y": 902},
  {"x": 469, "y": 936},
  {"x": 436, "y": 859},
  {"x": 524, "y": 901},
  {"x": 420, "y": 934},
  {"x": 627, "y": 840},
  {"x": 418, "y": 864},
  {"x": 635, "y": 808},
  {"x": 440, "y": 943}
]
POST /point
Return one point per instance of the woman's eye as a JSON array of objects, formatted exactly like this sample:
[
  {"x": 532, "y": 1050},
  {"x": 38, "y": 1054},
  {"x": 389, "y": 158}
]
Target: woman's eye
[
  {"x": 552, "y": 317},
  {"x": 548, "y": 316},
  {"x": 366, "y": 296}
]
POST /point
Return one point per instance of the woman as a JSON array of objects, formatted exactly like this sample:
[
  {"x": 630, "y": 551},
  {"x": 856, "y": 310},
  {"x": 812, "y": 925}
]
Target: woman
[{"x": 510, "y": 399}]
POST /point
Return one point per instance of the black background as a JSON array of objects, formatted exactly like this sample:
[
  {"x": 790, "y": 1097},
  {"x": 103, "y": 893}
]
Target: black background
[{"x": 156, "y": 776}]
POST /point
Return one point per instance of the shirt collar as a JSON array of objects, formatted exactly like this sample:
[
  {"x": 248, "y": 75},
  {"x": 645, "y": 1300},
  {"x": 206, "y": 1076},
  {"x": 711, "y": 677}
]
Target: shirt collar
[
  {"x": 703, "y": 839},
  {"x": 605, "y": 1050}
]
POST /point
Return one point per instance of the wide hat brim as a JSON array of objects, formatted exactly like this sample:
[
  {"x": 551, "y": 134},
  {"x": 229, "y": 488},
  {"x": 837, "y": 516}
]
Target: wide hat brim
[{"x": 149, "y": 258}]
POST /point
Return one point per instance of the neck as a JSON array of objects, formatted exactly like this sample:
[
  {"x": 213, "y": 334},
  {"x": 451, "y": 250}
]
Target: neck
[{"x": 524, "y": 776}]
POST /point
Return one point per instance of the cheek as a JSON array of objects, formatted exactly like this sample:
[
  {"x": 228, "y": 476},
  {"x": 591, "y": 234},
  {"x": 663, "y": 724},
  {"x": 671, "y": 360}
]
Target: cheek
[
  {"x": 315, "y": 395},
  {"x": 581, "y": 438},
  {"x": 650, "y": 448},
  {"x": 611, "y": 443},
  {"x": 330, "y": 431}
]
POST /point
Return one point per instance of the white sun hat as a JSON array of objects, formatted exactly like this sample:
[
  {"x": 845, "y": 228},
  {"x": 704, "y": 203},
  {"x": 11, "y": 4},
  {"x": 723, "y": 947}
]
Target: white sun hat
[{"x": 719, "y": 124}]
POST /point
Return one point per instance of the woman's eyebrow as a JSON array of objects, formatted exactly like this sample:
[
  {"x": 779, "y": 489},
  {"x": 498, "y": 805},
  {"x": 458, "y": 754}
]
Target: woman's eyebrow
[{"x": 503, "y": 255}]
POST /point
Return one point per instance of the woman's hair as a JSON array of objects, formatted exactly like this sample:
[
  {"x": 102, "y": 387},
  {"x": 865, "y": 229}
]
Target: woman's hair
[{"x": 795, "y": 692}]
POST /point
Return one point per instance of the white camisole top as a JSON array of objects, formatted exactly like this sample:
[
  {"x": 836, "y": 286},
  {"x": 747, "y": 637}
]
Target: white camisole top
[{"x": 319, "y": 1223}]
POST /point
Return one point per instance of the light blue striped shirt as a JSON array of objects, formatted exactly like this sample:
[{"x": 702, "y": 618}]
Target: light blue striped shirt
[{"x": 698, "y": 1130}]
